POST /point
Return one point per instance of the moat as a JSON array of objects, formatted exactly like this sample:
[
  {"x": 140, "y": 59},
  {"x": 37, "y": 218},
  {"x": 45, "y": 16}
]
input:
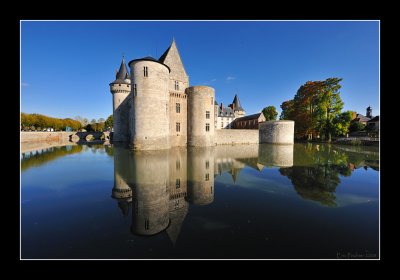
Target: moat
[{"x": 244, "y": 201}]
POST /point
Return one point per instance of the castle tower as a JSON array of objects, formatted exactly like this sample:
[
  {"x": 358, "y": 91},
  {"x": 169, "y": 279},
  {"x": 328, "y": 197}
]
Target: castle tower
[
  {"x": 120, "y": 90},
  {"x": 178, "y": 82},
  {"x": 369, "y": 112},
  {"x": 201, "y": 175},
  {"x": 149, "y": 123},
  {"x": 201, "y": 116},
  {"x": 237, "y": 107}
]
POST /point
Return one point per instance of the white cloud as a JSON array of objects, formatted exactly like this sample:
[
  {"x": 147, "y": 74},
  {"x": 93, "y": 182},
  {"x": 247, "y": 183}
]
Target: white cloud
[
  {"x": 24, "y": 85},
  {"x": 230, "y": 78},
  {"x": 213, "y": 80}
]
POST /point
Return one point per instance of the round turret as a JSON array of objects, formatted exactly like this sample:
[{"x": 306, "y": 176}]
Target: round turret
[
  {"x": 120, "y": 89},
  {"x": 150, "y": 117},
  {"x": 201, "y": 116}
]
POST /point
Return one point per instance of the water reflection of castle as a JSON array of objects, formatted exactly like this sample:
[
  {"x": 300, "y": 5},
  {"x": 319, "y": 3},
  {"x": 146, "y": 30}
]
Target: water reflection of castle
[{"x": 158, "y": 186}]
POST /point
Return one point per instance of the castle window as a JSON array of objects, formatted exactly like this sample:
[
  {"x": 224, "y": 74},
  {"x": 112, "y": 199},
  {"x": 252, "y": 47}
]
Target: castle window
[
  {"x": 145, "y": 71},
  {"x": 207, "y": 127},
  {"x": 207, "y": 114},
  {"x": 222, "y": 125},
  {"x": 207, "y": 164},
  {"x": 207, "y": 178},
  {"x": 146, "y": 224},
  {"x": 176, "y": 85},
  {"x": 178, "y": 107},
  {"x": 211, "y": 189},
  {"x": 178, "y": 183},
  {"x": 212, "y": 101},
  {"x": 178, "y": 164},
  {"x": 134, "y": 90},
  {"x": 178, "y": 127}
]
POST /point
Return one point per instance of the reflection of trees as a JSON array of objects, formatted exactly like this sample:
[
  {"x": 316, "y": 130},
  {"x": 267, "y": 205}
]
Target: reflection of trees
[
  {"x": 316, "y": 183},
  {"x": 316, "y": 170},
  {"x": 36, "y": 158}
]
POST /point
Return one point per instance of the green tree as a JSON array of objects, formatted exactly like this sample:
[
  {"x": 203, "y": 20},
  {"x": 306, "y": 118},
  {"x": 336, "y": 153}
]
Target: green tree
[
  {"x": 270, "y": 113},
  {"x": 101, "y": 120},
  {"x": 287, "y": 110},
  {"x": 109, "y": 122},
  {"x": 329, "y": 106},
  {"x": 356, "y": 126},
  {"x": 341, "y": 123}
]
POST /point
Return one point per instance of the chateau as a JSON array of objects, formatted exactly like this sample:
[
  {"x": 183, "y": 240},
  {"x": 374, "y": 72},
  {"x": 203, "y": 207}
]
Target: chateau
[{"x": 155, "y": 108}]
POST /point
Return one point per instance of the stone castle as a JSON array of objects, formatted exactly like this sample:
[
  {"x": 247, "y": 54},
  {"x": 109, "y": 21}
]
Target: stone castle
[{"x": 155, "y": 108}]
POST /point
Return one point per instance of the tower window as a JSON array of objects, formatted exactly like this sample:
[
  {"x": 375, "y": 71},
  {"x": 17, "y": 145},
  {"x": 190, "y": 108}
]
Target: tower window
[
  {"x": 178, "y": 183},
  {"x": 176, "y": 85},
  {"x": 207, "y": 164},
  {"x": 222, "y": 125},
  {"x": 207, "y": 114},
  {"x": 207, "y": 127},
  {"x": 178, "y": 164},
  {"x": 212, "y": 101},
  {"x": 207, "y": 178},
  {"x": 146, "y": 224},
  {"x": 145, "y": 71},
  {"x": 211, "y": 189},
  {"x": 134, "y": 90},
  {"x": 178, "y": 107},
  {"x": 178, "y": 127}
]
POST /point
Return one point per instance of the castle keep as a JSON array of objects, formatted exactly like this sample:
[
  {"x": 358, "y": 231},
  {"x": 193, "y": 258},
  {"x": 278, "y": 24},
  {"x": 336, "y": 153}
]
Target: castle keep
[{"x": 155, "y": 108}]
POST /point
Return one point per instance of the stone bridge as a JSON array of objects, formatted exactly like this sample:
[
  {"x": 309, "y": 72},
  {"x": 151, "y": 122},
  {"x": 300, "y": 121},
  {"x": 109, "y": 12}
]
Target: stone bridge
[{"x": 88, "y": 136}]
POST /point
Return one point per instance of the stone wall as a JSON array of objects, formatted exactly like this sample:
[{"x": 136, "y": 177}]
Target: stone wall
[
  {"x": 236, "y": 136},
  {"x": 45, "y": 136},
  {"x": 277, "y": 132}
]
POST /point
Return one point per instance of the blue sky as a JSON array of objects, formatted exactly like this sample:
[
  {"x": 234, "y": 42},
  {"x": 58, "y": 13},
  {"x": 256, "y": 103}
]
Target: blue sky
[{"x": 66, "y": 66}]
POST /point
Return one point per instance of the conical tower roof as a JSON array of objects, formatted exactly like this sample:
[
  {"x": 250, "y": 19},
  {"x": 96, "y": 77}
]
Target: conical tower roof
[
  {"x": 236, "y": 104},
  {"x": 172, "y": 59},
  {"x": 122, "y": 74}
]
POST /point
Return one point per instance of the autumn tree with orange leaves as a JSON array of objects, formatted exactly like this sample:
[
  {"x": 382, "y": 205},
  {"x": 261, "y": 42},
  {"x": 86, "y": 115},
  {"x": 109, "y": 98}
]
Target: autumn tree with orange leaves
[{"x": 315, "y": 109}]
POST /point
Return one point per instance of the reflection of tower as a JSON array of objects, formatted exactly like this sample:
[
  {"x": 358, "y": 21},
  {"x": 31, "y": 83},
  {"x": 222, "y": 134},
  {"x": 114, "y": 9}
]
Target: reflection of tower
[
  {"x": 200, "y": 175},
  {"x": 178, "y": 207},
  {"x": 276, "y": 155},
  {"x": 121, "y": 190},
  {"x": 150, "y": 191}
]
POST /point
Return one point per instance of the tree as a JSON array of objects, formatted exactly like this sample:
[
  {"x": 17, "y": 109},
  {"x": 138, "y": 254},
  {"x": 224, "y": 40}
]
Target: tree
[
  {"x": 85, "y": 122},
  {"x": 329, "y": 106},
  {"x": 109, "y": 122},
  {"x": 287, "y": 110},
  {"x": 270, "y": 113},
  {"x": 93, "y": 121},
  {"x": 341, "y": 123},
  {"x": 101, "y": 120},
  {"x": 315, "y": 109},
  {"x": 356, "y": 126}
]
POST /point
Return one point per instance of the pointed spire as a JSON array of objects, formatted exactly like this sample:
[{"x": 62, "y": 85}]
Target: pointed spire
[
  {"x": 236, "y": 104},
  {"x": 172, "y": 59},
  {"x": 122, "y": 73}
]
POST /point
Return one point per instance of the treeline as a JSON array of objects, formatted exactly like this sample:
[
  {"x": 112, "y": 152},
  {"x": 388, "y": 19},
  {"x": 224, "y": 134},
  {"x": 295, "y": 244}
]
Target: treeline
[
  {"x": 317, "y": 110},
  {"x": 39, "y": 122}
]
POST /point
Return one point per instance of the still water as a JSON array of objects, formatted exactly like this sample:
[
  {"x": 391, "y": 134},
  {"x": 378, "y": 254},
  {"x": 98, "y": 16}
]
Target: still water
[{"x": 248, "y": 201}]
